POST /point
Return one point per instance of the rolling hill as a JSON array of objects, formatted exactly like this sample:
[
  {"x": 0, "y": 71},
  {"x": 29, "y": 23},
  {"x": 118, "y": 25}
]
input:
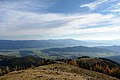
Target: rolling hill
[
  {"x": 36, "y": 68},
  {"x": 66, "y": 52},
  {"x": 76, "y": 51},
  {"x": 58, "y": 71}
]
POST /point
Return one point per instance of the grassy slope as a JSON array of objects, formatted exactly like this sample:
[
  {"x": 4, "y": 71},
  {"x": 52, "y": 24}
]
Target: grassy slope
[{"x": 58, "y": 71}]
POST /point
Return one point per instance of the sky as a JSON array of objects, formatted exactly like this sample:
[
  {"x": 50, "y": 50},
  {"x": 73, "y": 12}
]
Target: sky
[{"x": 59, "y": 19}]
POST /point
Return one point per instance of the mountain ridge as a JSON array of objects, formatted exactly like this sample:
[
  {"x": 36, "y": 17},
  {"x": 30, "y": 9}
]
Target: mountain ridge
[{"x": 43, "y": 44}]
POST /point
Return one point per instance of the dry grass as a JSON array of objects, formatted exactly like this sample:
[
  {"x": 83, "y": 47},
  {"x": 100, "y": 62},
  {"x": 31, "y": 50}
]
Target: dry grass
[{"x": 58, "y": 71}]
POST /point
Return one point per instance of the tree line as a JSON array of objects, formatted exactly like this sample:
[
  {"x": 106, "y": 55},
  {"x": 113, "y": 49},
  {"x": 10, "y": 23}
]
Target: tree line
[
  {"x": 106, "y": 66},
  {"x": 16, "y": 64}
]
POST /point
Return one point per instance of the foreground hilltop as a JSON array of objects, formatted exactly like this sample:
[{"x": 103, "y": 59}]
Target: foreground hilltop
[{"x": 57, "y": 71}]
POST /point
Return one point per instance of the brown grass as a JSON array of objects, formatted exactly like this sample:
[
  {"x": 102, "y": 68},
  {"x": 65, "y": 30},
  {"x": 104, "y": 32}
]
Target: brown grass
[{"x": 58, "y": 71}]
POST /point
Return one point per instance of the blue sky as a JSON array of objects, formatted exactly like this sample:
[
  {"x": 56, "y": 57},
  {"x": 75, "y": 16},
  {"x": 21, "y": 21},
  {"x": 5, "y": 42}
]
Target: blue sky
[{"x": 60, "y": 19}]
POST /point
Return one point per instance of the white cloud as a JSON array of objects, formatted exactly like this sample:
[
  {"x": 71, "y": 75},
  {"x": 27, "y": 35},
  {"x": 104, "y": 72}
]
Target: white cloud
[
  {"x": 25, "y": 5},
  {"x": 115, "y": 8},
  {"x": 41, "y": 25},
  {"x": 31, "y": 23},
  {"x": 95, "y": 4},
  {"x": 51, "y": 24}
]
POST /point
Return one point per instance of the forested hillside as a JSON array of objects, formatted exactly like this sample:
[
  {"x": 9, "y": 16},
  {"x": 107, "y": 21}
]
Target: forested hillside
[
  {"x": 101, "y": 65},
  {"x": 14, "y": 64}
]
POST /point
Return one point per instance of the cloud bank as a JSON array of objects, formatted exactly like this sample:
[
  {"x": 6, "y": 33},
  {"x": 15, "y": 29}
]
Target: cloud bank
[{"x": 30, "y": 20}]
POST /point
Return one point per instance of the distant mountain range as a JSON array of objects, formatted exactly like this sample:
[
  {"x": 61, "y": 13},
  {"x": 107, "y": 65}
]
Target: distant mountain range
[
  {"x": 60, "y": 48},
  {"x": 42, "y": 44},
  {"x": 78, "y": 49},
  {"x": 112, "y": 48},
  {"x": 105, "y": 42},
  {"x": 58, "y": 43}
]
